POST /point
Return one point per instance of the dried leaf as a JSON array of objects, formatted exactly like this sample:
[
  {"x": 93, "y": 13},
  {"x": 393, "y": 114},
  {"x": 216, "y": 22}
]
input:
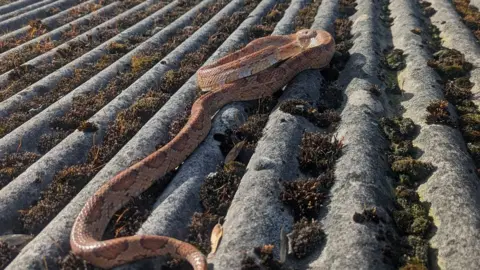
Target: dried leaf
[
  {"x": 233, "y": 154},
  {"x": 217, "y": 234}
]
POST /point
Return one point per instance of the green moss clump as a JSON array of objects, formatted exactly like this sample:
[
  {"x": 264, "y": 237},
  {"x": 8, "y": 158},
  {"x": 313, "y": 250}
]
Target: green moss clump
[
  {"x": 395, "y": 60},
  {"x": 305, "y": 237},
  {"x": 450, "y": 64},
  {"x": 413, "y": 220},
  {"x": 398, "y": 129},
  {"x": 413, "y": 170}
]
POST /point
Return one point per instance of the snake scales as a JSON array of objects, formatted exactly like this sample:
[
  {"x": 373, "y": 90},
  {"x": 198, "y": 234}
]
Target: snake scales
[{"x": 258, "y": 70}]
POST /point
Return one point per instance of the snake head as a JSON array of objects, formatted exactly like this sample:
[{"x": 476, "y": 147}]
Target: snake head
[{"x": 305, "y": 36}]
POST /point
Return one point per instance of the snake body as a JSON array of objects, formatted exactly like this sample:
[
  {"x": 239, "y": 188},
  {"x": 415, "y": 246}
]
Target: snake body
[{"x": 258, "y": 70}]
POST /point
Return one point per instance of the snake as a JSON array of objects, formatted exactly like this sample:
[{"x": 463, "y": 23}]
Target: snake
[{"x": 258, "y": 70}]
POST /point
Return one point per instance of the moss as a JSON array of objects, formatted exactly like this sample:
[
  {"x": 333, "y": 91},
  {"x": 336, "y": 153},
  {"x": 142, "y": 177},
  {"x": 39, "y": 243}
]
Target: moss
[
  {"x": 218, "y": 190},
  {"x": 302, "y": 108},
  {"x": 429, "y": 11},
  {"x": 331, "y": 98},
  {"x": 398, "y": 129},
  {"x": 49, "y": 140},
  {"x": 306, "y": 15},
  {"x": 7, "y": 254},
  {"x": 434, "y": 41},
  {"x": 458, "y": 91},
  {"x": 72, "y": 262},
  {"x": 141, "y": 62},
  {"x": 306, "y": 236},
  {"x": 403, "y": 148},
  {"x": 439, "y": 113},
  {"x": 304, "y": 197},
  {"x": 343, "y": 28},
  {"x": 200, "y": 229},
  {"x": 14, "y": 164},
  {"x": 450, "y": 64},
  {"x": 86, "y": 126},
  {"x": 318, "y": 153},
  {"x": 413, "y": 170},
  {"x": 395, "y": 60},
  {"x": 413, "y": 220},
  {"x": 375, "y": 90},
  {"x": 347, "y": 7},
  {"x": 116, "y": 47},
  {"x": 474, "y": 150},
  {"x": 368, "y": 215},
  {"x": 470, "y": 15},
  {"x": 419, "y": 255},
  {"x": 63, "y": 188}
]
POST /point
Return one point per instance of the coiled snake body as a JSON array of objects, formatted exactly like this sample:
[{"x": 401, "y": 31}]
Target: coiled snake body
[{"x": 258, "y": 70}]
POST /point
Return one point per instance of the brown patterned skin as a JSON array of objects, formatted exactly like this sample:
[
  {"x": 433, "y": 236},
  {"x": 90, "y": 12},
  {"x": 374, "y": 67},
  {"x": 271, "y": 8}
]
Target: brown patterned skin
[{"x": 258, "y": 70}]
